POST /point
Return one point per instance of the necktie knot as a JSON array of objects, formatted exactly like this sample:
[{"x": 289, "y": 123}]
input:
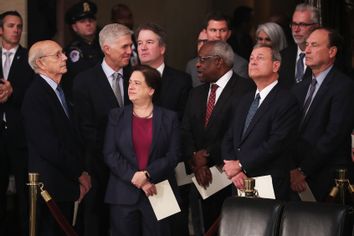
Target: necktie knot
[
  {"x": 214, "y": 87},
  {"x": 301, "y": 56},
  {"x": 8, "y": 54},
  {"x": 313, "y": 82}
]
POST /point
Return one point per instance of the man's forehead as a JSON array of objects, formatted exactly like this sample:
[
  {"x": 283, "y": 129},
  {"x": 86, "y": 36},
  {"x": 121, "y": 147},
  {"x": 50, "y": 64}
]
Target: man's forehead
[
  {"x": 217, "y": 23},
  {"x": 12, "y": 19},
  {"x": 318, "y": 36}
]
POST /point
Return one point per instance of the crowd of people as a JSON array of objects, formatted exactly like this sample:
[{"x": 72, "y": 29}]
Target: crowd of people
[{"x": 104, "y": 119}]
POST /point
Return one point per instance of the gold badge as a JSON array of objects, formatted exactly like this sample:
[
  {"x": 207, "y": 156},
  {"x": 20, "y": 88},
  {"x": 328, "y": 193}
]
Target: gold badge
[{"x": 86, "y": 7}]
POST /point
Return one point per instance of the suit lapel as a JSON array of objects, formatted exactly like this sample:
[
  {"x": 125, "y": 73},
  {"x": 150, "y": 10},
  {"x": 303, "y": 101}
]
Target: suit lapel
[
  {"x": 156, "y": 128},
  {"x": 319, "y": 96},
  {"x": 223, "y": 99},
  {"x": 242, "y": 112},
  {"x": 262, "y": 109},
  {"x": 15, "y": 62},
  {"x": 104, "y": 87}
]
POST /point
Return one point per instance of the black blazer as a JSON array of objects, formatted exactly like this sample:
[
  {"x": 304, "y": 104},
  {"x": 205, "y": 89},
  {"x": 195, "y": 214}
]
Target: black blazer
[
  {"x": 53, "y": 143},
  {"x": 175, "y": 87},
  {"x": 264, "y": 148},
  {"x": 93, "y": 99},
  {"x": 119, "y": 153},
  {"x": 194, "y": 135},
  {"x": 324, "y": 138},
  {"x": 287, "y": 67},
  {"x": 20, "y": 77}
]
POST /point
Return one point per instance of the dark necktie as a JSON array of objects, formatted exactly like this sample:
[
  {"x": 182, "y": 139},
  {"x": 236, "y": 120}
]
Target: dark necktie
[
  {"x": 211, "y": 103},
  {"x": 63, "y": 100},
  {"x": 251, "y": 112},
  {"x": 310, "y": 96},
  {"x": 7, "y": 64},
  {"x": 116, "y": 88},
  {"x": 300, "y": 68}
]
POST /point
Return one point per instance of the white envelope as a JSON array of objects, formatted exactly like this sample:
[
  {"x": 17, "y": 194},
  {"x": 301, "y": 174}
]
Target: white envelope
[
  {"x": 219, "y": 182},
  {"x": 164, "y": 203},
  {"x": 307, "y": 195},
  {"x": 181, "y": 176},
  {"x": 264, "y": 186}
]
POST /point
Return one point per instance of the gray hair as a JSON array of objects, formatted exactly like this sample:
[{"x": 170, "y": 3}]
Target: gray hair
[
  {"x": 275, "y": 53},
  {"x": 315, "y": 13},
  {"x": 223, "y": 50},
  {"x": 275, "y": 33},
  {"x": 112, "y": 32}
]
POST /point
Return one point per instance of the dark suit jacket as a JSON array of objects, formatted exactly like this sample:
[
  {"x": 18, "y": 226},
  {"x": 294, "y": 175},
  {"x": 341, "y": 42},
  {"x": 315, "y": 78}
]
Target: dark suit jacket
[
  {"x": 119, "y": 153},
  {"x": 20, "y": 77},
  {"x": 324, "y": 139},
  {"x": 263, "y": 149},
  {"x": 287, "y": 67},
  {"x": 53, "y": 143},
  {"x": 194, "y": 135},
  {"x": 175, "y": 87},
  {"x": 93, "y": 99}
]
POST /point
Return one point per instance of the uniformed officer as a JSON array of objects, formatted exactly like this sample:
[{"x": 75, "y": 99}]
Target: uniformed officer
[{"x": 84, "y": 52}]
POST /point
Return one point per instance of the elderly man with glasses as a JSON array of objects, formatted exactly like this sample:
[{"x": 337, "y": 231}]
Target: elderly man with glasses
[
  {"x": 206, "y": 118},
  {"x": 305, "y": 19}
]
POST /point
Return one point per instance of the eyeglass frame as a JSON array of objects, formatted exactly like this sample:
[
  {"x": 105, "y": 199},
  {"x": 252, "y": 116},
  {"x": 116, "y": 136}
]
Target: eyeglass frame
[
  {"x": 300, "y": 25},
  {"x": 201, "y": 59},
  {"x": 58, "y": 55}
]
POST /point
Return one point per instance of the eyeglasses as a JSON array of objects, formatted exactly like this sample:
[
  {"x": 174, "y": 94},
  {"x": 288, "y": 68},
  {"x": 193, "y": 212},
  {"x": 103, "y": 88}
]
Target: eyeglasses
[
  {"x": 57, "y": 55},
  {"x": 263, "y": 39},
  {"x": 206, "y": 58},
  {"x": 301, "y": 25}
]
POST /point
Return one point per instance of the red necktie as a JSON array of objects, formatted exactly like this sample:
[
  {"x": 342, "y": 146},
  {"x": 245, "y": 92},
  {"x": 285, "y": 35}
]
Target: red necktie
[{"x": 211, "y": 103}]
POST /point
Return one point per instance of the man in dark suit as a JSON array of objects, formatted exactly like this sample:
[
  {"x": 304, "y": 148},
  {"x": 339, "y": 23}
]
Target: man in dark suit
[
  {"x": 305, "y": 20},
  {"x": 324, "y": 136},
  {"x": 173, "y": 95},
  {"x": 207, "y": 116},
  {"x": 263, "y": 127},
  {"x": 217, "y": 27},
  {"x": 53, "y": 143},
  {"x": 96, "y": 91},
  {"x": 176, "y": 84},
  {"x": 15, "y": 77}
]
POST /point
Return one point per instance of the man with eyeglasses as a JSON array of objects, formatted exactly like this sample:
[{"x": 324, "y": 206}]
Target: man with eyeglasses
[
  {"x": 190, "y": 68},
  {"x": 305, "y": 19},
  {"x": 15, "y": 77},
  {"x": 53, "y": 142},
  {"x": 206, "y": 119}
]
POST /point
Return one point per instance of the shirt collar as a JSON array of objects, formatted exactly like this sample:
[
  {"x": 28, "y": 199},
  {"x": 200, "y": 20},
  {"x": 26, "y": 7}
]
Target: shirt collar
[
  {"x": 161, "y": 68},
  {"x": 266, "y": 90},
  {"x": 224, "y": 79},
  {"x": 320, "y": 78},
  {"x": 51, "y": 82},
  {"x": 108, "y": 70},
  {"x": 13, "y": 50}
]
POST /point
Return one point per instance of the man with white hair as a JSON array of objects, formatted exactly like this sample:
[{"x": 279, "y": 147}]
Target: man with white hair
[
  {"x": 95, "y": 92},
  {"x": 53, "y": 143},
  {"x": 305, "y": 19}
]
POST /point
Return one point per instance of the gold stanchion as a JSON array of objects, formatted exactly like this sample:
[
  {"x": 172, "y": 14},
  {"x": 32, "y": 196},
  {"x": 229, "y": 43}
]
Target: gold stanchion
[
  {"x": 33, "y": 191},
  {"x": 343, "y": 191}
]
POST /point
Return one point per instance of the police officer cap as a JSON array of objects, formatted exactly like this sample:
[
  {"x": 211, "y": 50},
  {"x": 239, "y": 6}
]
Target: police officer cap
[{"x": 79, "y": 11}]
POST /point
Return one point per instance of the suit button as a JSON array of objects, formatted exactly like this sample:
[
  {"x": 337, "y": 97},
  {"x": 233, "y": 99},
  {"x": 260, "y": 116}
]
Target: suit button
[{"x": 238, "y": 149}]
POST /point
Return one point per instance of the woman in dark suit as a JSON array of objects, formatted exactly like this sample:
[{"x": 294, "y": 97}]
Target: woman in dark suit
[{"x": 141, "y": 149}]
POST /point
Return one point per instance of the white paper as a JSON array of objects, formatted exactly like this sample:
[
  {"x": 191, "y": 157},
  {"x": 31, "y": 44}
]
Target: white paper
[
  {"x": 219, "y": 182},
  {"x": 181, "y": 176},
  {"x": 264, "y": 187},
  {"x": 307, "y": 195},
  {"x": 164, "y": 203}
]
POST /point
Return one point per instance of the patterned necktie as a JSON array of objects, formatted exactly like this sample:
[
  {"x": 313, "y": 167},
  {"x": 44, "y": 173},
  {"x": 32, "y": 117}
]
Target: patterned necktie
[
  {"x": 310, "y": 96},
  {"x": 7, "y": 64},
  {"x": 63, "y": 100},
  {"x": 116, "y": 88},
  {"x": 300, "y": 68},
  {"x": 251, "y": 112},
  {"x": 211, "y": 103}
]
